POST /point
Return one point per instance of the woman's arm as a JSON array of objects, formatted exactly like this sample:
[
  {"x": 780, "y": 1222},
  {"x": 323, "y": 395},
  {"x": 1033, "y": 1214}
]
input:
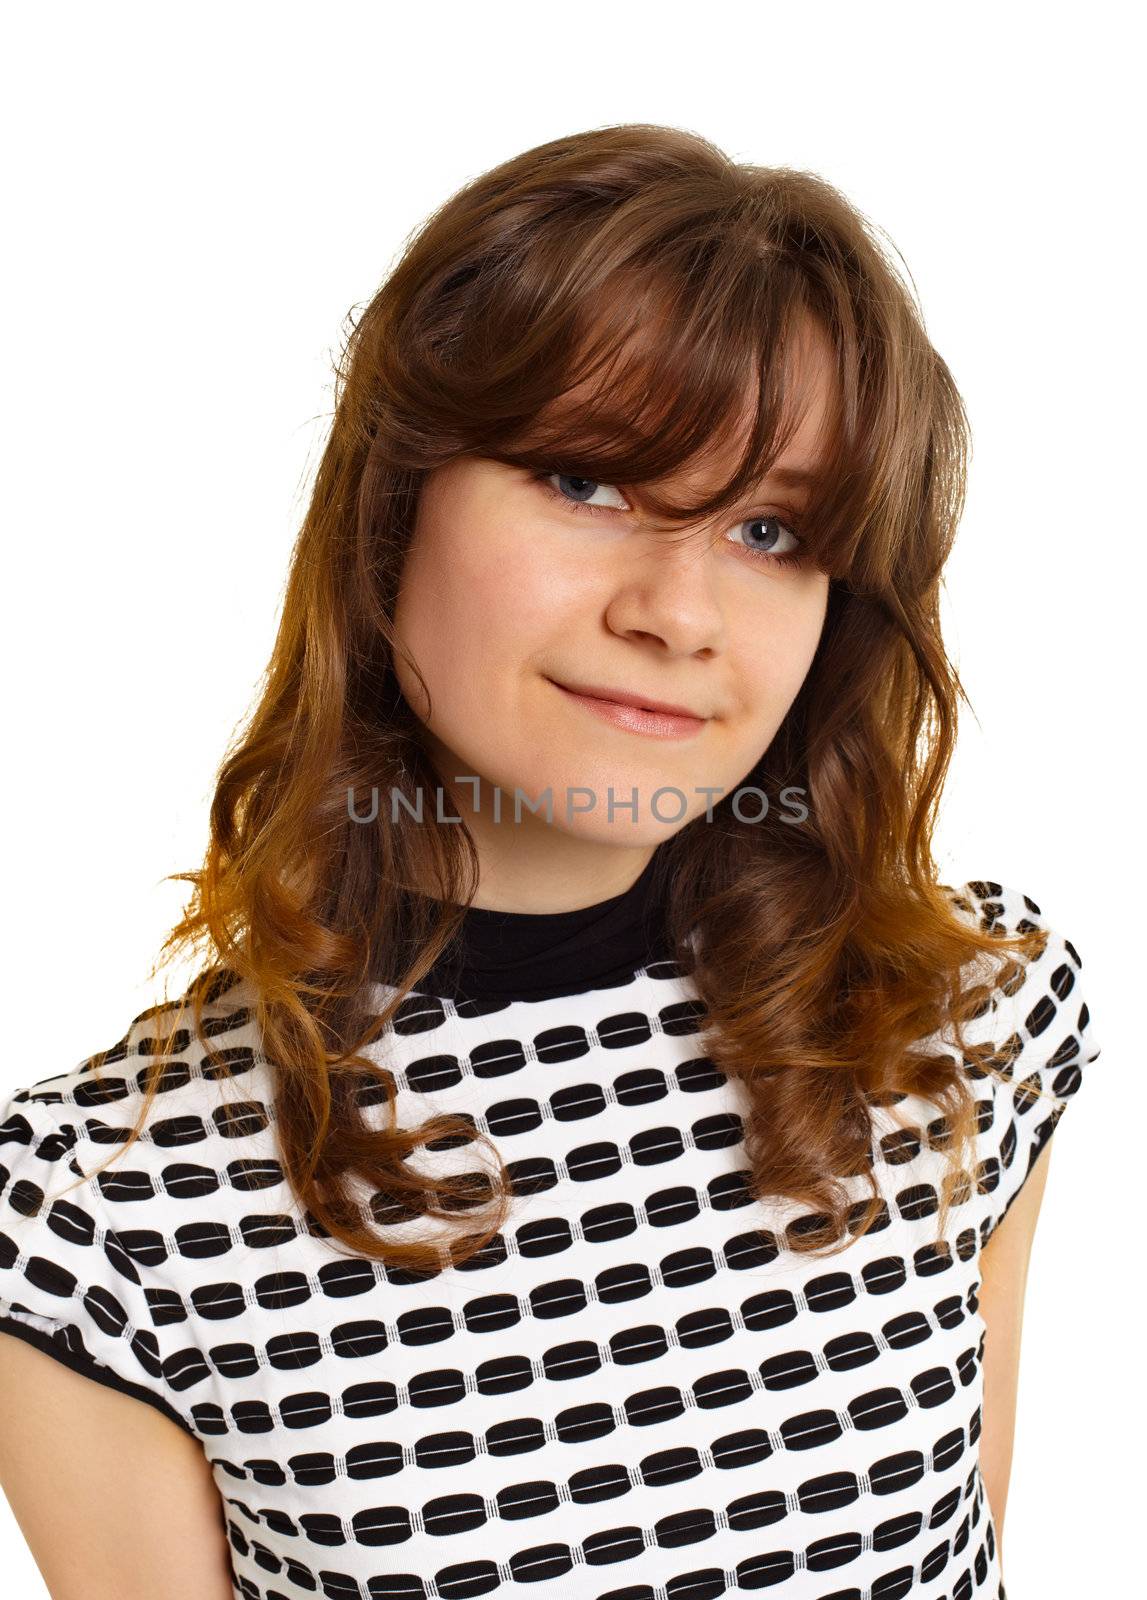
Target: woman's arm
[
  {"x": 115, "y": 1501},
  {"x": 1004, "y": 1269}
]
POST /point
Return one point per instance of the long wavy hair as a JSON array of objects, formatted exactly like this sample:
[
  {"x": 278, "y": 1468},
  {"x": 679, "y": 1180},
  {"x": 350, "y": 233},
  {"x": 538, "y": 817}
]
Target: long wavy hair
[{"x": 667, "y": 281}]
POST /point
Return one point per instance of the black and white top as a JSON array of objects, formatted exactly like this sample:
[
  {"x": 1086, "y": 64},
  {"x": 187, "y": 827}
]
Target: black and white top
[{"x": 638, "y": 1391}]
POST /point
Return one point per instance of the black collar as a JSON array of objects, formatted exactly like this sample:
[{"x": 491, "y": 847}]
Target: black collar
[{"x": 511, "y": 955}]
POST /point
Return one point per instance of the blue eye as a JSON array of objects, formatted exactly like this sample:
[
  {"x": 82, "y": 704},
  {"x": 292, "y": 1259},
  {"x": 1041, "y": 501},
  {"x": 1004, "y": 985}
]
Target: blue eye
[
  {"x": 776, "y": 532},
  {"x": 579, "y": 491}
]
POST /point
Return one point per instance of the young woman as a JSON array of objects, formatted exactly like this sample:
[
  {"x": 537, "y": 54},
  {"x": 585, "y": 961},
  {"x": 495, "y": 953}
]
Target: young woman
[{"x": 596, "y": 1157}]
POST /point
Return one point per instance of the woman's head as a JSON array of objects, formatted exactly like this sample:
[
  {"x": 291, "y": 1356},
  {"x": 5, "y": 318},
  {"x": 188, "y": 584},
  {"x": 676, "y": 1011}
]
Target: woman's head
[
  {"x": 628, "y": 316},
  {"x": 521, "y": 585},
  {"x": 725, "y": 362}
]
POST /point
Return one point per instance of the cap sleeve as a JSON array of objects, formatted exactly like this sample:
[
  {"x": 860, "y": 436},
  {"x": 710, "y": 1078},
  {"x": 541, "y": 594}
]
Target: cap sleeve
[
  {"x": 66, "y": 1284},
  {"x": 1039, "y": 1038}
]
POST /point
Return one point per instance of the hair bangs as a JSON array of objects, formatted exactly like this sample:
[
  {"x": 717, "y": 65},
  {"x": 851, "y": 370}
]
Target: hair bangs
[{"x": 685, "y": 395}]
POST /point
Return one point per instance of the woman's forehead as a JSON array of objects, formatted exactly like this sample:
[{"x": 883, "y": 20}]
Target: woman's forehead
[
  {"x": 799, "y": 457},
  {"x": 612, "y": 414}
]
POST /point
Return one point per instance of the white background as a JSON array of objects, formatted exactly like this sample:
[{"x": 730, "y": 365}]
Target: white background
[{"x": 198, "y": 196}]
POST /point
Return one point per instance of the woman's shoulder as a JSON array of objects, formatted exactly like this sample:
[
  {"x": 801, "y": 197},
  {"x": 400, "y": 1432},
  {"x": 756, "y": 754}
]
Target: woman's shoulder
[
  {"x": 177, "y": 1106},
  {"x": 91, "y": 1234},
  {"x": 211, "y": 1063},
  {"x": 1031, "y": 1043},
  {"x": 993, "y": 904},
  {"x": 1042, "y": 1000}
]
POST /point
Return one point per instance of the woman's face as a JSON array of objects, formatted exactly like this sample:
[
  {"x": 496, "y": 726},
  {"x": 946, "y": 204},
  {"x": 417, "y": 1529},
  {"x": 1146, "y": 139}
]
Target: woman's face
[{"x": 512, "y": 590}]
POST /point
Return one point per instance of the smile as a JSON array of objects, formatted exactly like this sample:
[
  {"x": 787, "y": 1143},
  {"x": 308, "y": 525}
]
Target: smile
[{"x": 652, "y": 721}]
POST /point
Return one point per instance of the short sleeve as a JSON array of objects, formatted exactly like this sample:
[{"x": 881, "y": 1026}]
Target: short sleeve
[
  {"x": 67, "y": 1285},
  {"x": 1041, "y": 1040}
]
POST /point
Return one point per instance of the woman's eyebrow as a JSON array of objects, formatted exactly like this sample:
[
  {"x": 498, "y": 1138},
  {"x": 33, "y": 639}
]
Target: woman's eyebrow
[
  {"x": 795, "y": 477},
  {"x": 779, "y": 478},
  {"x": 782, "y": 478}
]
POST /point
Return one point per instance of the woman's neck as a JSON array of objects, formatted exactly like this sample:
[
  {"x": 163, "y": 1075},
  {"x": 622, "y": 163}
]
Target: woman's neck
[{"x": 507, "y": 955}]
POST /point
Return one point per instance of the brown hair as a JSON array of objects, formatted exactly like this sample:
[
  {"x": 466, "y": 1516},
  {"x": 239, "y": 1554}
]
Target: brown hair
[{"x": 825, "y": 953}]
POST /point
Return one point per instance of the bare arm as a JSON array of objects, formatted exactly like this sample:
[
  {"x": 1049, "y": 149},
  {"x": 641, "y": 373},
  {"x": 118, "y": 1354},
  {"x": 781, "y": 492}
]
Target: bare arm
[
  {"x": 115, "y": 1501},
  {"x": 1004, "y": 1269}
]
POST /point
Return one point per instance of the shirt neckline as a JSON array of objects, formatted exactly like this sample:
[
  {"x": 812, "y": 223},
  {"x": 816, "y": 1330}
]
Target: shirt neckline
[{"x": 523, "y": 955}]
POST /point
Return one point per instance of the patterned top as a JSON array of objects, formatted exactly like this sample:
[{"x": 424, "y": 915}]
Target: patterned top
[{"x": 637, "y": 1391}]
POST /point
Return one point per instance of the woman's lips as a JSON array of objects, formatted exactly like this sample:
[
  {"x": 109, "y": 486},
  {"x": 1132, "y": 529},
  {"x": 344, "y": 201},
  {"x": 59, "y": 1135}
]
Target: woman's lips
[{"x": 654, "y": 724}]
